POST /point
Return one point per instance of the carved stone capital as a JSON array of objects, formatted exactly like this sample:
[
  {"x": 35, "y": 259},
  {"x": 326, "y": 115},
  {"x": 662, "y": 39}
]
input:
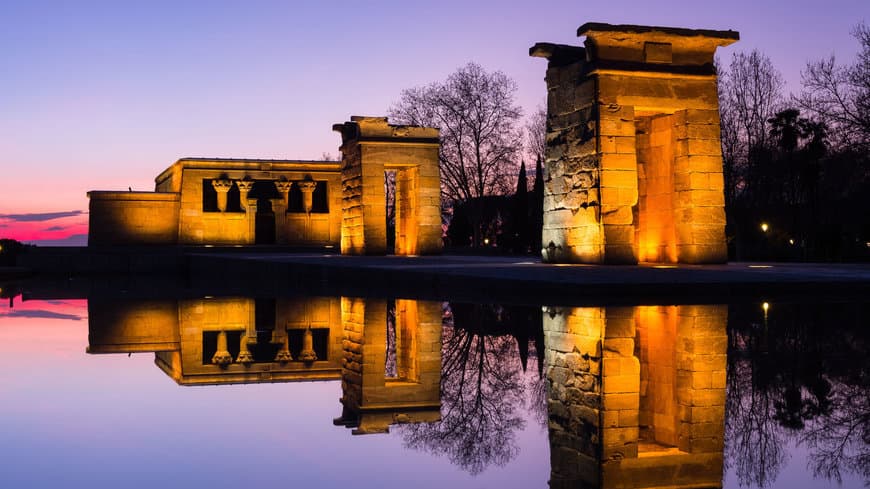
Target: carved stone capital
[
  {"x": 222, "y": 185},
  {"x": 307, "y": 186},
  {"x": 283, "y": 186},
  {"x": 222, "y": 357},
  {"x": 283, "y": 355},
  {"x": 245, "y": 185}
]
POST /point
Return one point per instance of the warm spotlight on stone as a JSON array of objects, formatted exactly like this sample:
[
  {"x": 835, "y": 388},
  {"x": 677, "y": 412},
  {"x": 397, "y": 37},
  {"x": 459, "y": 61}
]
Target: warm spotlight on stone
[{"x": 633, "y": 160}]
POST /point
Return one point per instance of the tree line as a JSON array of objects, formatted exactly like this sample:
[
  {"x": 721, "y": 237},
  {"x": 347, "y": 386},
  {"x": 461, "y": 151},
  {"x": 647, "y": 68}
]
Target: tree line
[{"x": 796, "y": 166}]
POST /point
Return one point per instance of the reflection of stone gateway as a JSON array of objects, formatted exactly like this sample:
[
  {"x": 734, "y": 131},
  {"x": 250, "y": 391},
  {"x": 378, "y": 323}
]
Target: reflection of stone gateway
[
  {"x": 633, "y": 161},
  {"x": 636, "y": 395}
]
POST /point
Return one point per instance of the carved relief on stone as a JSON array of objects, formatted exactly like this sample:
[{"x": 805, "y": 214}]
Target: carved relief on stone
[{"x": 283, "y": 187}]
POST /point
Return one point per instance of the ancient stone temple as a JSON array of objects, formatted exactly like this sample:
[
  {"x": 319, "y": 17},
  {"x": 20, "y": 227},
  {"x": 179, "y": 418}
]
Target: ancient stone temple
[
  {"x": 633, "y": 159},
  {"x": 219, "y": 201},
  {"x": 370, "y": 147}
]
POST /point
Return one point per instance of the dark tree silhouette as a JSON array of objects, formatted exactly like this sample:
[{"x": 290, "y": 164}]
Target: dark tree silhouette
[
  {"x": 840, "y": 95},
  {"x": 482, "y": 388},
  {"x": 480, "y": 135}
]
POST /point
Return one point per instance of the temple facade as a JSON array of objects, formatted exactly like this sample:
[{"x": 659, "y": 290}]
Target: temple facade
[
  {"x": 219, "y": 201},
  {"x": 200, "y": 201}
]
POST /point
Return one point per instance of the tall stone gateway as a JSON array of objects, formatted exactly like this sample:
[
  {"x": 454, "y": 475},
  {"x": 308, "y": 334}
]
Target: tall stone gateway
[
  {"x": 370, "y": 147},
  {"x": 633, "y": 161}
]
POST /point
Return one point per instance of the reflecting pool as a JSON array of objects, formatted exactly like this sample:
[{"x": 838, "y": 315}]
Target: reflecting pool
[{"x": 232, "y": 391}]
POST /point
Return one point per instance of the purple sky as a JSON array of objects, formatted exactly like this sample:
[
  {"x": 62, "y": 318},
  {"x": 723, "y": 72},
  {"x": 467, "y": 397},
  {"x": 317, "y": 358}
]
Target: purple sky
[{"x": 105, "y": 95}]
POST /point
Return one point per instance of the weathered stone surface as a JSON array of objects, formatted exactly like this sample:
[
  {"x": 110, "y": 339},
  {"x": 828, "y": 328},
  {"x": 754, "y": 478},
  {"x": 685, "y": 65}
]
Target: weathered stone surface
[
  {"x": 640, "y": 112},
  {"x": 371, "y": 146}
]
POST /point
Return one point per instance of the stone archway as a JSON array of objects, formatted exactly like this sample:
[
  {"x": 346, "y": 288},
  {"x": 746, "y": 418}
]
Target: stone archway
[
  {"x": 634, "y": 162},
  {"x": 370, "y": 147}
]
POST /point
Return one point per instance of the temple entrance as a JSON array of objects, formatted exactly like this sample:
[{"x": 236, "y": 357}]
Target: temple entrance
[
  {"x": 264, "y": 224},
  {"x": 374, "y": 153}
]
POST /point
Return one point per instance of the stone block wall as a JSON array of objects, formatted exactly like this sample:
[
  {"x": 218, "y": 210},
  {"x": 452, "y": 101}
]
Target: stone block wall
[
  {"x": 699, "y": 187},
  {"x": 370, "y": 147},
  {"x": 129, "y": 326},
  {"x": 633, "y": 166},
  {"x": 635, "y": 395},
  {"x": 130, "y": 218}
]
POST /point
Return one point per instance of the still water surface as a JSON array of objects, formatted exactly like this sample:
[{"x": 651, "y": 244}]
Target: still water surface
[{"x": 411, "y": 393}]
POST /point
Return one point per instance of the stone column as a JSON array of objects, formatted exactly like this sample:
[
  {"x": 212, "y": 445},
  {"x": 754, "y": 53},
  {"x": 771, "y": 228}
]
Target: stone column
[
  {"x": 245, "y": 357},
  {"x": 251, "y": 218},
  {"x": 244, "y": 187},
  {"x": 699, "y": 198},
  {"x": 222, "y": 187},
  {"x": 222, "y": 356},
  {"x": 283, "y": 355},
  {"x": 279, "y": 208},
  {"x": 283, "y": 187},
  {"x": 307, "y": 187},
  {"x": 308, "y": 354}
]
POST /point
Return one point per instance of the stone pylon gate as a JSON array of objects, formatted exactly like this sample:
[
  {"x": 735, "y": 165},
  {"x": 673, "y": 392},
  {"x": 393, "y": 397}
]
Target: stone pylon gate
[
  {"x": 370, "y": 147},
  {"x": 633, "y": 159}
]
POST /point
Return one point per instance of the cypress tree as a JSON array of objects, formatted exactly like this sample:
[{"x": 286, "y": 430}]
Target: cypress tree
[{"x": 537, "y": 208}]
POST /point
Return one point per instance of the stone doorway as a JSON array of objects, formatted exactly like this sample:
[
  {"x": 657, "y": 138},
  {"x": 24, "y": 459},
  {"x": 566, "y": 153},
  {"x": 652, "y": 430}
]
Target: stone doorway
[
  {"x": 264, "y": 224},
  {"x": 634, "y": 162},
  {"x": 370, "y": 148}
]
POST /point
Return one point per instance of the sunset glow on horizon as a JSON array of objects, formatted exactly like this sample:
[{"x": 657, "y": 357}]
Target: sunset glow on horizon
[{"x": 105, "y": 95}]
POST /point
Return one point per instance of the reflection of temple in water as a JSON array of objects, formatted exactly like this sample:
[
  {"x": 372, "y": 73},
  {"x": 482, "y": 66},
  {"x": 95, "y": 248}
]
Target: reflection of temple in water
[
  {"x": 244, "y": 340},
  {"x": 636, "y": 395}
]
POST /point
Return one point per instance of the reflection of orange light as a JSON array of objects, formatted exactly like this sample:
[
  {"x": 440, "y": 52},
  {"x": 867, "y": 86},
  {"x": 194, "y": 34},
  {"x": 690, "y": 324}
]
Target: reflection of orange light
[{"x": 765, "y": 306}]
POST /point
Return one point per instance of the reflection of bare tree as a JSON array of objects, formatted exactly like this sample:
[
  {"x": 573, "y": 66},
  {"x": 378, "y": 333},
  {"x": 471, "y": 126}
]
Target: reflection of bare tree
[
  {"x": 753, "y": 442},
  {"x": 801, "y": 375},
  {"x": 481, "y": 391},
  {"x": 840, "y": 441},
  {"x": 537, "y": 388}
]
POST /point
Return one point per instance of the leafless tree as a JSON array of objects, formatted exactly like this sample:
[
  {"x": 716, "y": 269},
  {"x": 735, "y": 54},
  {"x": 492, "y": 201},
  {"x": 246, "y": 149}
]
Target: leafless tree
[
  {"x": 481, "y": 141},
  {"x": 840, "y": 95},
  {"x": 750, "y": 93},
  {"x": 536, "y": 133}
]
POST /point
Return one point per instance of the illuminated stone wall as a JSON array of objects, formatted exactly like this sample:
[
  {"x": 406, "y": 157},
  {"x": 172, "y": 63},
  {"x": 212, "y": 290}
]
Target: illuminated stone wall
[
  {"x": 372, "y": 401},
  {"x": 132, "y": 326},
  {"x": 370, "y": 147},
  {"x": 176, "y": 212},
  {"x": 633, "y": 163},
  {"x": 127, "y": 218},
  {"x": 636, "y": 395}
]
